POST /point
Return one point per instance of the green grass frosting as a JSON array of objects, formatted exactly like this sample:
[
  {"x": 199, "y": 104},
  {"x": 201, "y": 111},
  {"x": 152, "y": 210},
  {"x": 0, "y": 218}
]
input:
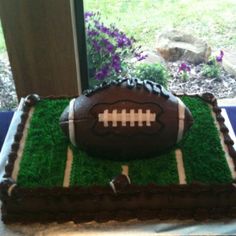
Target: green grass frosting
[{"x": 45, "y": 153}]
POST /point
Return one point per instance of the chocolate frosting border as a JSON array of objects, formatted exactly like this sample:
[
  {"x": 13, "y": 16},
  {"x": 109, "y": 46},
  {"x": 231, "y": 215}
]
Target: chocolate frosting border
[{"x": 194, "y": 190}]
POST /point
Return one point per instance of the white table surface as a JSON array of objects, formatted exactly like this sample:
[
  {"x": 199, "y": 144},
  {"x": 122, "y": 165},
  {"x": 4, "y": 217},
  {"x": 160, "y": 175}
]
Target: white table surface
[{"x": 132, "y": 227}]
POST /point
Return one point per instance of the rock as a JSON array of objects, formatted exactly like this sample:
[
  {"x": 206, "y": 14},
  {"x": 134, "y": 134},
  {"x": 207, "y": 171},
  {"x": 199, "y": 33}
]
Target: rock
[
  {"x": 152, "y": 58},
  {"x": 229, "y": 61},
  {"x": 174, "y": 45}
]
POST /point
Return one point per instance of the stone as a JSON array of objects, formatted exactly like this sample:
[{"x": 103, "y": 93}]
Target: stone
[
  {"x": 175, "y": 45},
  {"x": 229, "y": 61},
  {"x": 152, "y": 58}
]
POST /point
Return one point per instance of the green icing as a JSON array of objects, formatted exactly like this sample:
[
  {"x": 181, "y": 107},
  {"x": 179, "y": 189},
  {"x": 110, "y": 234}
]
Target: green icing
[
  {"x": 204, "y": 159},
  {"x": 87, "y": 170},
  {"x": 44, "y": 156},
  {"x": 159, "y": 170}
]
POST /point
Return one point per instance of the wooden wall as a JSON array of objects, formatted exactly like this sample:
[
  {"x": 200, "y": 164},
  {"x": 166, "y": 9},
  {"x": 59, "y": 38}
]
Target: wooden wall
[{"x": 39, "y": 41}]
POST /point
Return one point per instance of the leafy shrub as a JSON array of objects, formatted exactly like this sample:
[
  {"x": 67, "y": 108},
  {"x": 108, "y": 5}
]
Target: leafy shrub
[
  {"x": 211, "y": 71},
  {"x": 213, "y": 67},
  {"x": 155, "y": 72},
  {"x": 184, "y": 70},
  {"x": 109, "y": 50}
]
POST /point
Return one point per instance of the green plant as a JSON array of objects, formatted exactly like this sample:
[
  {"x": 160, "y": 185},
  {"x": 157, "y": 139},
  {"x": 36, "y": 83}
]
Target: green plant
[
  {"x": 211, "y": 71},
  {"x": 213, "y": 67},
  {"x": 184, "y": 70},
  {"x": 109, "y": 50},
  {"x": 155, "y": 72}
]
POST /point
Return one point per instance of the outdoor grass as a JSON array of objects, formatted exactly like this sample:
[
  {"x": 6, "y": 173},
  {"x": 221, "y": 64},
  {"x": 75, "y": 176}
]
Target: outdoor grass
[
  {"x": 204, "y": 159},
  {"x": 45, "y": 154},
  {"x": 212, "y": 20}
]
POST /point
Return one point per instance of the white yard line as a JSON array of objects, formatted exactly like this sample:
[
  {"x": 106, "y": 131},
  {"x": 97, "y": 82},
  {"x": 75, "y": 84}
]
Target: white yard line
[
  {"x": 225, "y": 148},
  {"x": 180, "y": 166},
  {"x": 21, "y": 146},
  {"x": 125, "y": 170},
  {"x": 66, "y": 182},
  {"x": 181, "y": 116}
]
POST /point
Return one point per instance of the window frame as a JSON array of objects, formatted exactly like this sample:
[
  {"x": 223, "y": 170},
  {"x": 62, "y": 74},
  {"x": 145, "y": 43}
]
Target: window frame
[{"x": 81, "y": 44}]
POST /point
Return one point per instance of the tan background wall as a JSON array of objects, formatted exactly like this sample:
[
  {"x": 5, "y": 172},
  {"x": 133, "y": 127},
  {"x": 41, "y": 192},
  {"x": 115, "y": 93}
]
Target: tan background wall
[{"x": 39, "y": 41}]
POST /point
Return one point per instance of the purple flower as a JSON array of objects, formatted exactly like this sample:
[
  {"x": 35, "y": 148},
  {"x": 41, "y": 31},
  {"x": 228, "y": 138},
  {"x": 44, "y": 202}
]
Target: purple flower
[
  {"x": 102, "y": 28},
  {"x": 92, "y": 33},
  {"x": 109, "y": 46},
  {"x": 115, "y": 33},
  {"x": 97, "y": 24},
  {"x": 96, "y": 45},
  {"x": 87, "y": 15},
  {"x": 140, "y": 56},
  {"x": 105, "y": 29},
  {"x": 219, "y": 58},
  {"x": 122, "y": 40},
  {"x": 116, "y": 63},
  {"x": 104, "y": 41},
  {"x": 100, "y": 75},
  {"x": 184, "y": 67}
]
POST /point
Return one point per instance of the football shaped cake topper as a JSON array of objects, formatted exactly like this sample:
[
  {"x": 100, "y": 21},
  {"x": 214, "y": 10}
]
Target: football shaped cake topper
[{"x": 126, "y": 119}]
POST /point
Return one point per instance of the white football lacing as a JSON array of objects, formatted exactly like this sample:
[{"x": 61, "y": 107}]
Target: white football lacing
[{"x": 125, "y": 117}]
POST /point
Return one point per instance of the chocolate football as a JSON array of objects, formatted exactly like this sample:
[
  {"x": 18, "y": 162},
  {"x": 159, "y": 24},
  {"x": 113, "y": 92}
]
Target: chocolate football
[{"x": 126, "y": 119}]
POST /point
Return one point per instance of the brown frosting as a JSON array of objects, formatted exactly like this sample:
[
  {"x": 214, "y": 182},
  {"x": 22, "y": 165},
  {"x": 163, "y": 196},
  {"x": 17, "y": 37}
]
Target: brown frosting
[{"x": 119, "y": 143}]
